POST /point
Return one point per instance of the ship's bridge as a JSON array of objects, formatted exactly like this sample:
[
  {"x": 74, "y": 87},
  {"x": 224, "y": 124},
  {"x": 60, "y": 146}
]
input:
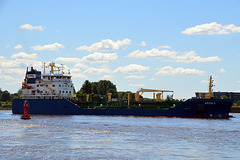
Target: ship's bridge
[{"x": 56, "y": 78}]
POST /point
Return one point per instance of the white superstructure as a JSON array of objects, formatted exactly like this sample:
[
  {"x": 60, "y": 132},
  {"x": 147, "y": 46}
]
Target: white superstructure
[{"x": 47, "y": 86}]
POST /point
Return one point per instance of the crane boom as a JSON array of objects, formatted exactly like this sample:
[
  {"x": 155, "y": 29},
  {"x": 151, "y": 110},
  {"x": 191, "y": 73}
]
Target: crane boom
[{"x": 137, "y": 95}]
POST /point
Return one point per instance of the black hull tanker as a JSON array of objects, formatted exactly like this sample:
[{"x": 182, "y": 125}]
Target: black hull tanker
[{"x": 53, "y": 94}]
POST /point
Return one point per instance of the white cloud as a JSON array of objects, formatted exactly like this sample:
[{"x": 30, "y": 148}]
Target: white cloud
[
  {"x": 192, "y": 57},
  {"x": 21, "y": 59},
  {"x": 23, "y": 55},
  {"x": 30, "y": 27},
  {"x": 68, "y": 60},
  {"x": 7, "y": 46},
  {"x": 143, "y": 43},
  {"x": 153, "y": 53},
  {"x": 6, "y": 78},
  {"x": 19, "y": 71},
  {"x": 152, "y": 79},
  {"x": 107, "y": 77},
  {"x": 49, "y": 47},
  {"x": 132, "y": 68},
  {"x": 77, "y": 72},
  {"x": 164, "y": 47},
  {"x": 79, "y": 76},
  {"x": 134, "y": 77},
  {"x": 92, "y": 70},
  {"x": 80, "y": 65},
  {"x": 136, "y": 85},
  {"x": 105, "y": 45},
  {"x": 222, "y": 71},
  {"x": 168, "y": 70},
  {"x": 19, "y": 46},
  {"x": 211, "y": 29},
  {"x": 91, "y": 58},
  {"x": 15, "y": 82},
  {"x": 232, "y": 28},
  {"x": 100, "y": 57},
  {"x": 204, "y": 81},
  {"x": 4, "y": 63},
  {"x": 207, "y": 81}
]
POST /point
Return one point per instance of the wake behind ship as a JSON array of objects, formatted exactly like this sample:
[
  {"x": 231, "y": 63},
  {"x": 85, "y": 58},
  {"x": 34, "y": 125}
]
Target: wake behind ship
[{"x": 53, "y": 94}]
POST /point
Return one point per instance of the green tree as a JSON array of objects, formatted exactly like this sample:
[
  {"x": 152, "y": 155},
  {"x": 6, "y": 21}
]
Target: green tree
[
  {"x": 114, "y": 93},
  {"x": 86, "y": 87},
  {"x": 1, "y": 93},
  {"x": 97, "y": 89},
  {"x": 104, "y": 86},
  {"x": 80, "y": 95},
  {"x": 124, "y": 96},
  {"x": 5, "y": 96},
  {"x": 94, "y": 87},
  {"x": 16, "y": 95}
]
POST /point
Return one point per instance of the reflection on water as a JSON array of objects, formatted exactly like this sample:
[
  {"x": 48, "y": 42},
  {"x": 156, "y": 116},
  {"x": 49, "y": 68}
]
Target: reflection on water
[{"x": 109, "y": 137}]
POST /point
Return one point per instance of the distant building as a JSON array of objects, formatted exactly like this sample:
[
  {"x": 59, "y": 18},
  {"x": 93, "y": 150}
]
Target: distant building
[{"x": 232, "y": 95}]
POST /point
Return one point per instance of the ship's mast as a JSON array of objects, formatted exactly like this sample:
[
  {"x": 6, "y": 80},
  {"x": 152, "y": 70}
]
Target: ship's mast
[
  {"x": 44, "y": 66},
  {"x": 210, "y": 89},
  {"x": 52, "y": 65},
  {"x": 25, "y": 80},
  {"x": 53, "y": 68},
  {"x": 210, "y": 86}
]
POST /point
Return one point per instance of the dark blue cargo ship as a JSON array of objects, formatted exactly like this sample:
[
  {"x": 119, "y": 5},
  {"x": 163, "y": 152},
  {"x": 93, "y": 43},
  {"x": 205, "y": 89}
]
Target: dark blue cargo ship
[
  {"x": 53, "y": 94},
  {"x": 192, "y": 108}
]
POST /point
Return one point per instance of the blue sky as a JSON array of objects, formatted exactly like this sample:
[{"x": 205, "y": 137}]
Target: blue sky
[{"x": 173, "y": 45}]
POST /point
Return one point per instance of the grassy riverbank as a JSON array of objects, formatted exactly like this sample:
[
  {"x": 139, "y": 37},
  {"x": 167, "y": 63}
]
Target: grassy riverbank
[
  {"x": 235, "y": 109},
  {"x": 6, "y": 108},
  {"x": 5, "y": 105}
]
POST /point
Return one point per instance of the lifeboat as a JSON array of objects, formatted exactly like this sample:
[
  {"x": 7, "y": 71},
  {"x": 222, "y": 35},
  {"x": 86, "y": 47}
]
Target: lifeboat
[{"x": 26, "y": 86}]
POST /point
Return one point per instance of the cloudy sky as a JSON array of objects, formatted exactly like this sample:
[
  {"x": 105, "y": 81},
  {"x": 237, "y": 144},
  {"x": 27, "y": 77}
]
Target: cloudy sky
[{"x": 173, "y": 45}]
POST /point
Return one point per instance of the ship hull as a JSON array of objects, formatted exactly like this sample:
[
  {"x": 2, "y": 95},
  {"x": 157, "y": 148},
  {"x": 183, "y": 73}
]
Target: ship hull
[{"x": 192, "y": 108}]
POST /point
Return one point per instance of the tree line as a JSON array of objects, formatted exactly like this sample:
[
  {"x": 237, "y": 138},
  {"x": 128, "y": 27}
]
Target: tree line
[
  {"x": 100, "y": 89},
  {"x": 6, "y": 98}
]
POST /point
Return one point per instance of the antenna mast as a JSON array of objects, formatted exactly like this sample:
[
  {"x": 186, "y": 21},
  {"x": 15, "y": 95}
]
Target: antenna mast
[{"x": 44, "y": 66}]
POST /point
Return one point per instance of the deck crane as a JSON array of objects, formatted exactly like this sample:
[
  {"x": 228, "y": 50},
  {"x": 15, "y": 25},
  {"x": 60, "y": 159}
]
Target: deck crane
[{"x": 159, "y": 95}]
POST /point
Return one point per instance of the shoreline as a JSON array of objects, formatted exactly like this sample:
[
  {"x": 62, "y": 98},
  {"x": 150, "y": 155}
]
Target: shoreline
[
  {"x": 5, "y": 108},
  {"x": 235, "y": 109}
]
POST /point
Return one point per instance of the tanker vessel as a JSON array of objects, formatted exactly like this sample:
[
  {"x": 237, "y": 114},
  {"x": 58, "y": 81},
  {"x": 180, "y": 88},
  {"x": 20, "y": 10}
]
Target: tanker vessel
[{"x": 53, "y": 94}]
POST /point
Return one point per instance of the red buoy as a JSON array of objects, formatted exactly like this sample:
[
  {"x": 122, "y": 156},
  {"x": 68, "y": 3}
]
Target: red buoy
[{"x": 26, "y": 108}]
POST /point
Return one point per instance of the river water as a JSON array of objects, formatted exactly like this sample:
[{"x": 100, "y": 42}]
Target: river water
[{"x": 117, "y": 137}]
